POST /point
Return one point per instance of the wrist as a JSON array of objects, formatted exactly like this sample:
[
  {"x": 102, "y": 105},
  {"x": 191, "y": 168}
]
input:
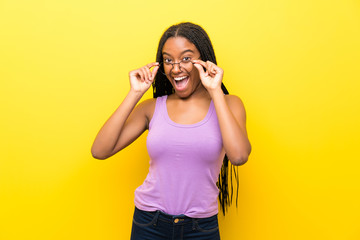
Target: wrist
[
  {"x": 135, "y": 94},
  {"x": 216, "y": 93}
]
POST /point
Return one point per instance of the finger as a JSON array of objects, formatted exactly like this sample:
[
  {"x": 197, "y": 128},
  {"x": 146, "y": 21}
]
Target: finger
[
  {"x": 138, "y": 74},
  {"x": 212, "y": 70},
  {"x": 144, "y": 74},
  {"x": 154, "y": 71},
  {"x": 133, "y": 73},
  {"x": 217, "y": 70},
  {"x": 207, "y": 65},
  {"x": 150, "y": 65},
  {"x": 200, "y": 68},
  {"x": 151, "y": 75},
  {"x": 202, "y": 63},
  {"x": 148, "y": 73},
  {"x": 141, "y": 75}
]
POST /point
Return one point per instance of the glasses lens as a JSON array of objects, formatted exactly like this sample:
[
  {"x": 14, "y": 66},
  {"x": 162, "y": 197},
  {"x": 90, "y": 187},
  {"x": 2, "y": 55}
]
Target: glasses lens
[{"x": 186, "y": 64}]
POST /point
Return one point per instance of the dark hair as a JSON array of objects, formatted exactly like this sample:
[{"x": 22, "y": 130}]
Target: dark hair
[{"x": 161, "y": 86}]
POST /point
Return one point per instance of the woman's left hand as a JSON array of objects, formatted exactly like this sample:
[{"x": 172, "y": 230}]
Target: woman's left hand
[{"x": 212, "y": 77}]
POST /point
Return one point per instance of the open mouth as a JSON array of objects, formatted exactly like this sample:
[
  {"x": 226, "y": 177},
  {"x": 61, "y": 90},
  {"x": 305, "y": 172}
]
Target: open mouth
[{"x": 181, "y": 82}]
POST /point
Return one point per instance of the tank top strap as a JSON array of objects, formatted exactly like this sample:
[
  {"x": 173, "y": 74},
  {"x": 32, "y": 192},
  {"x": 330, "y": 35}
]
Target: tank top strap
[{"x": 159, "y": 109}]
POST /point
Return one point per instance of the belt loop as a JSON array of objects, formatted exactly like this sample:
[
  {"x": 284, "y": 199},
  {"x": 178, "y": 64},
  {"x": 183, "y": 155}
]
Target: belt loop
[
  {"x": 156, "y": 217},
  {"x": 193, "y": 224}
]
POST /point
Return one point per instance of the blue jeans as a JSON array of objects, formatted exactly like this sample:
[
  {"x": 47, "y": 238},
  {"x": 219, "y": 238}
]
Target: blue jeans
[{"x": 158, "y": 225}]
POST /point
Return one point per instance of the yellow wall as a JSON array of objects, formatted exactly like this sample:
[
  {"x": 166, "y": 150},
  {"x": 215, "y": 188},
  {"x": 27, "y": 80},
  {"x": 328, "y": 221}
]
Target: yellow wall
[{"x": 63, "y": 71}]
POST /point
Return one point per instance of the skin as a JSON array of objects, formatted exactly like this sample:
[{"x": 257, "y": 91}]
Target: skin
[{"x": 187, "y": 105}]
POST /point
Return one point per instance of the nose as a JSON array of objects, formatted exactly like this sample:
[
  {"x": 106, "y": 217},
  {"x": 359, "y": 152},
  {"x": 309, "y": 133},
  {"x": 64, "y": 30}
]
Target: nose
[{"x": 176, "y": 68}]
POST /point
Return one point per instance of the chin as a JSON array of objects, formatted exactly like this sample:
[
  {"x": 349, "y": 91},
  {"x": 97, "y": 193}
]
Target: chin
[{"x": 182, "y": 95}]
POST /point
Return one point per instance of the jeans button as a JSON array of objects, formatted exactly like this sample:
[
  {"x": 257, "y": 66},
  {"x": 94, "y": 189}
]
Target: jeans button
[{"x": 176, "y": 220}]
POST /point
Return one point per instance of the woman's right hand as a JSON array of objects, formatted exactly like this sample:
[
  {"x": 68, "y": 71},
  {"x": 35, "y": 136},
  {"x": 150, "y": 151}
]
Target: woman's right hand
[{"x": 142, "y": 78}]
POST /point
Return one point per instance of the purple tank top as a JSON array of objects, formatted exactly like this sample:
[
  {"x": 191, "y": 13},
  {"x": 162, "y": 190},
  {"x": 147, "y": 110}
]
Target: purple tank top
[{"x": 185, "y": 162}]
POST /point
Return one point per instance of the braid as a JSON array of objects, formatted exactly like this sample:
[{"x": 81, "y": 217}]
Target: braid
[{"x": 162, "y": 86}]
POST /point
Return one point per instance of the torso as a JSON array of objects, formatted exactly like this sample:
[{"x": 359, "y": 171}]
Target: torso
[
  {"x": 187, "y": 111},
  {"x": 185, "y": 159},
  {"x": 182, "y": 111}
]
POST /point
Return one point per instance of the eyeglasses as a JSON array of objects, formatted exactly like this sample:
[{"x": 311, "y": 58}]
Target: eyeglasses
[{"x": 168, "y": 65}]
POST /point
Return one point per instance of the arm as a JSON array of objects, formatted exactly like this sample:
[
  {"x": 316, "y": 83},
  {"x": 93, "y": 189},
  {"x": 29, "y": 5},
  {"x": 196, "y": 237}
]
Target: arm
[
  {"x": 128, "y": 122},
  {"x": 230, "y": 112},
  {"x": 232, "y": 120}
]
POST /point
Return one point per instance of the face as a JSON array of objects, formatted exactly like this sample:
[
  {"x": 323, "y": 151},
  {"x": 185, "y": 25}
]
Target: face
[{"x": 177, "y": 55}]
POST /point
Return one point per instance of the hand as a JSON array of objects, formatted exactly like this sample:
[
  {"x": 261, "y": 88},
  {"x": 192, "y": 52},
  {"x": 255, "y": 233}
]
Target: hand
[
  {"x": 142, "y": 78},
  {"x": 212, "y": 78}
]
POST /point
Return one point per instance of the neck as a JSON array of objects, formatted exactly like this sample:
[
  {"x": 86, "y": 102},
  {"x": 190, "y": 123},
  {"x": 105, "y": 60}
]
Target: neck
[{"x": 200, "y": 93}]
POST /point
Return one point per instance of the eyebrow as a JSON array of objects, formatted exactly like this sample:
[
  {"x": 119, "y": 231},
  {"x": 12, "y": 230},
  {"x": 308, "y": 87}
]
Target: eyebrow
[{"x": 183, "y": 52}]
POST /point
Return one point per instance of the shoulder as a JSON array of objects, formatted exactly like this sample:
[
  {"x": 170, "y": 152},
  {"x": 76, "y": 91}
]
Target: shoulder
[
  {"x": 235, "y": 104},
  {"x": 148, "y": 102},
  {"x": 147, "y": 106},
  {"x": 234, "y": 101}
]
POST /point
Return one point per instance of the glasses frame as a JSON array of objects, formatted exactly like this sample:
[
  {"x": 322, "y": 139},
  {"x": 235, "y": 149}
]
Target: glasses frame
[{"x": 162, "y": 64}]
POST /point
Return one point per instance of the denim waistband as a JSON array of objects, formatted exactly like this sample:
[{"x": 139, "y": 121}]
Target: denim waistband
[{"x": 175, "y": 219}]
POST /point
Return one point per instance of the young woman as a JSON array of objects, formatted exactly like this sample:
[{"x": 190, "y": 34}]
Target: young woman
[{"x": 192, "y": 123}]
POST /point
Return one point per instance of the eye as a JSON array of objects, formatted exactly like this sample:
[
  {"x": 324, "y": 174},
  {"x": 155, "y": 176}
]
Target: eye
[
  {"x": 167, "y": 60},
  {"x": 186, "y": 59}
]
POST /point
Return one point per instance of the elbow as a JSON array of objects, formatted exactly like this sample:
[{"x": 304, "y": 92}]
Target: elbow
[
  {"x": 240, "y": 157},
  {"x": 98, "y": 155},
  {"x": 239, "y": 160}
]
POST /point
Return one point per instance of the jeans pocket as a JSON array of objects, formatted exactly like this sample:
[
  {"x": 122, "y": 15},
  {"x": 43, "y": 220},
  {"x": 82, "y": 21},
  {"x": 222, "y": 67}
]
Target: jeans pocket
[
  {"x": 143, "y": 218},
  {"x": 207, "y": 224}
]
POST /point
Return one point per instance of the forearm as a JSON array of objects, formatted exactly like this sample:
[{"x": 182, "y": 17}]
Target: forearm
[
  {"x": 109, "y": 134},
  {"x": 235, "y": 140}
]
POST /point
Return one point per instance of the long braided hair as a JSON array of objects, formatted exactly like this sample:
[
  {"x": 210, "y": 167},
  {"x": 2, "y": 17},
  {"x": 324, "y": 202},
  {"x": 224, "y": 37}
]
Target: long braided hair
[{"x": 162, "y": 86}]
